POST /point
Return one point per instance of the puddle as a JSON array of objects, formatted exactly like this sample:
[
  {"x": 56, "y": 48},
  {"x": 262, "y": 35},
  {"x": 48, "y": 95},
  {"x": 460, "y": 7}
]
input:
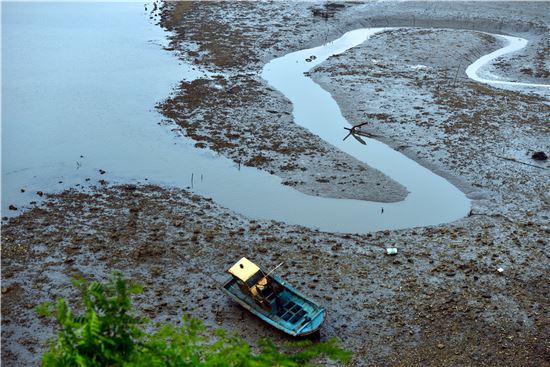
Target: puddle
[{"x": 80, "y": 82}]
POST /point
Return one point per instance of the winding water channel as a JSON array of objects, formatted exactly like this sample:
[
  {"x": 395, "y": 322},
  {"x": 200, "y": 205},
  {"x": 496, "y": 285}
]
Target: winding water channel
[
  {"x": 79, "y": 85},
  {"x": 513, "y": 44}
]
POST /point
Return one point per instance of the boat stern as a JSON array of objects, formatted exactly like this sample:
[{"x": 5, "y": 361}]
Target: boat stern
[{"x": 313, "y": 325}]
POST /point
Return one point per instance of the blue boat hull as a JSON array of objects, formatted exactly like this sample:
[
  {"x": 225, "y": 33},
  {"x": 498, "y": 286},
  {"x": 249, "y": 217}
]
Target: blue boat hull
[{"x": 290, "y": 311}]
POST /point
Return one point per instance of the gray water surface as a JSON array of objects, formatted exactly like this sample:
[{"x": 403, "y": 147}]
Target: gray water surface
[
  {"x": 80, "y": 82},
  {"x": 431, "y": 200}
]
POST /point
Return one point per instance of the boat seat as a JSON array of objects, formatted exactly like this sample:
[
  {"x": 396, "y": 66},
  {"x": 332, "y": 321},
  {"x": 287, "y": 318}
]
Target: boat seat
[
  {"x": 286, "y": 316},
  {"x": 294, "y": 319},
  {"x": 291, "y": 312}
]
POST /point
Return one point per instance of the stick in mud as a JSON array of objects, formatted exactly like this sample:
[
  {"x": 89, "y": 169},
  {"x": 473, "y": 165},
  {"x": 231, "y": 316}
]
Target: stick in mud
[
  {"x": 456, "y": 75},
  {"x": 520, "y": 162}
]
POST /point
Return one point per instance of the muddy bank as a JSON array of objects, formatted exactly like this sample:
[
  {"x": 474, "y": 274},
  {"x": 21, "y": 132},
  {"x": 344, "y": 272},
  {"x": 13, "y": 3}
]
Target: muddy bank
[
  {"x": 238, "y": 115},
  {"x": 241, "y": 117},
  {"x": 459, "y": 127},
  {"x": 528, "y": 19},
  {"x": 440, "y": 301},
  {"x": 244, "y": 119}
]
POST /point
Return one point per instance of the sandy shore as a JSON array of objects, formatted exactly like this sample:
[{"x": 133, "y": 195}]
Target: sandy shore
[{"x": 440, "y": 301}]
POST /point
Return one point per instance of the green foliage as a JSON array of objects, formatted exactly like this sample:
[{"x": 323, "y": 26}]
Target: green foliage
[
  {"x": 109, "y": 333},
  {"x": 104, "y": 335}
]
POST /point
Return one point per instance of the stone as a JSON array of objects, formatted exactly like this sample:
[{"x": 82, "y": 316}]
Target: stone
[{"x": 539, "y": 156}]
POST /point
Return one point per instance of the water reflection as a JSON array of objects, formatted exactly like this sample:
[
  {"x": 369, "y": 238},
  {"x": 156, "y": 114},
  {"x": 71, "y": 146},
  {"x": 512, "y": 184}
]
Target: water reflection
[{"x": 80, "y": 82}]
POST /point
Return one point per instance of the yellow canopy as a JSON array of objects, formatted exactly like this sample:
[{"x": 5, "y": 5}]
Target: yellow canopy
[{"x": 244, "y": 269}]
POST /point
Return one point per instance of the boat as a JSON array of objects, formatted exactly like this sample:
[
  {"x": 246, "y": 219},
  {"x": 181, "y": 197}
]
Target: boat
[{"x": 272, "y": 299}]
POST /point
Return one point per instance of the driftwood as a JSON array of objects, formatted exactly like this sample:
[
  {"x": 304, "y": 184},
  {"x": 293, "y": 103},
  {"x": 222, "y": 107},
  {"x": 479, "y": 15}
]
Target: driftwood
[
  {"x": 496, "y": 215},
  {"x": 520, "y": 162},
  {"x": 356, "y": 133}
]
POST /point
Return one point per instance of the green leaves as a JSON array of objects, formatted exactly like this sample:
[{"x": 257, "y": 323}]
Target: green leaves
[
  {"x": 44, "y": 309},
  {"x": 105, "y": 334},
  {"x": 109, "y": 333}
]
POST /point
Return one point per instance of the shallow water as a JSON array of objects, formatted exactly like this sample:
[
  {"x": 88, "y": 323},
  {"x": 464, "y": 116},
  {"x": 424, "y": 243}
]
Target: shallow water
[
  {"x": 477, "y": 70},
  {"x": 80, "y": 82},
  {"x": 431, "y": 200}
]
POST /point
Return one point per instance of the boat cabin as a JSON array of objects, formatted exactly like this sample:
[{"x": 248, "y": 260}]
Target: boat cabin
[{"x": 254, "y": 282}]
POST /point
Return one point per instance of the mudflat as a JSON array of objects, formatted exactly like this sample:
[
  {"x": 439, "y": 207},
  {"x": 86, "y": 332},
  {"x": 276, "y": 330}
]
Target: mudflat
[{"x": 471, "y": 292}]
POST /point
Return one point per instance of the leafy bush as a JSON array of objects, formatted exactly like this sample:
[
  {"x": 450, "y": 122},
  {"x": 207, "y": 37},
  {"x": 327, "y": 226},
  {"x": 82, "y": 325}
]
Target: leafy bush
[{"x": 110, "y": 333}]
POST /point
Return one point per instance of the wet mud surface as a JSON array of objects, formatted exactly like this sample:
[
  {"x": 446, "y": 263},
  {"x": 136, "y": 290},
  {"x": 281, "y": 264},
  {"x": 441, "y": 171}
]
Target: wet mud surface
[
  {"x": 441, "y": 300},
  {"x": 238, "y": 115},
  {"x": 472, "y": 292},
  {"x": 468, "y": 132}
]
